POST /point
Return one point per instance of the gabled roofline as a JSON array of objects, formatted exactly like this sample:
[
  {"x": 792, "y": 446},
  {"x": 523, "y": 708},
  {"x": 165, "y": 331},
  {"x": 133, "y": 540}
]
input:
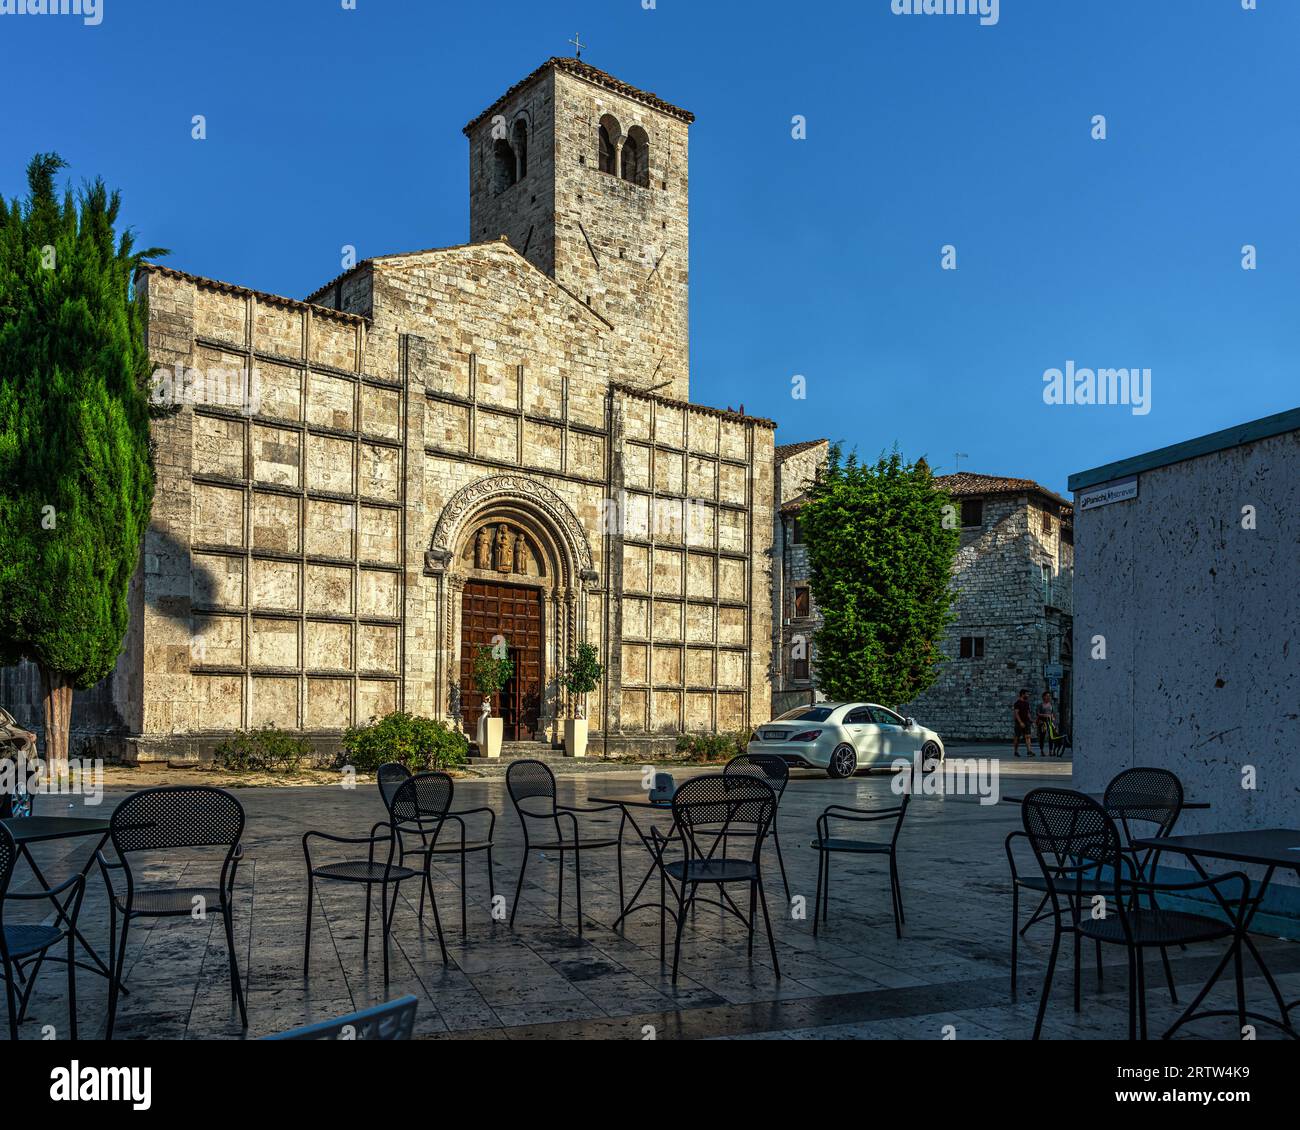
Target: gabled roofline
[
  {"x": 260, "y": 295},
  {"x": 369, "y": 264},
  {"x": 593, "y": 76},
  {"x": 688, "y": 405}
]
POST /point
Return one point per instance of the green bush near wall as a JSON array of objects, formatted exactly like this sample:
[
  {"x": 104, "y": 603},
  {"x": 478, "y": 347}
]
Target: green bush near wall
[
  {"x": 268, "y": 750},
  {"x": 421, "y": 744},
  {"x": 712, "y": 747}
]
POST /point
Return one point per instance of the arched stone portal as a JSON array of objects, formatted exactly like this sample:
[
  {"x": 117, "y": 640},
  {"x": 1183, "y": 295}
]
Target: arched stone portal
[{"x": 511, "y": 560}]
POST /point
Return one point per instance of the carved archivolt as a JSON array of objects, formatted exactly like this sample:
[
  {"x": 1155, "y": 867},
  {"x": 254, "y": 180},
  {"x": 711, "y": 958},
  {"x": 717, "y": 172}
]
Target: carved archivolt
[{"x": 519, "y": 491}]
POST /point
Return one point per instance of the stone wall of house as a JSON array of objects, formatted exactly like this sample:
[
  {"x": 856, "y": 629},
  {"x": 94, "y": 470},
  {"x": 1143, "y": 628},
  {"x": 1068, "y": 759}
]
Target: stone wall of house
[
  {"x": 618, "y": 247},
  {"x": 997, "y": 576}
]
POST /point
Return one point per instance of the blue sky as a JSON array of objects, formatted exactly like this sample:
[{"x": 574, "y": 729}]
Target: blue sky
[{"x": 818, "y": 257}]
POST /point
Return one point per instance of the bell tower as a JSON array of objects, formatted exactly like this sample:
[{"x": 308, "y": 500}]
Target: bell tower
[{"x": 588, "y": 179}]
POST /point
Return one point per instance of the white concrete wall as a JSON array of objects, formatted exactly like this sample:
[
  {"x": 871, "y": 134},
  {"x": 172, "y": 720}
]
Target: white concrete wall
[{"x": 1201, "y": 619}]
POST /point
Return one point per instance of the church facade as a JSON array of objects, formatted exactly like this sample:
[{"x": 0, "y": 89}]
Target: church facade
[{"x": 444, "y": 449}]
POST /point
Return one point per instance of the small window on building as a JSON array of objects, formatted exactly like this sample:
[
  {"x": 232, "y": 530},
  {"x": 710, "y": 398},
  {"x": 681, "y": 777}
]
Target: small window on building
[
  {"x": 801, "y": 600},
  {"x": 636, "y": 157},
  {"x": 503, "y": 166},
  {"x": 520, "y": 139},
  {"x": 972, "y": 647},
  {"x": 799, "y": 669},
  {"x": 796, "y": 532},
  {"x": 1047, "y": 583},
  {"x": 972, "y": 512},
  {"x": 1047, "y": 522}
]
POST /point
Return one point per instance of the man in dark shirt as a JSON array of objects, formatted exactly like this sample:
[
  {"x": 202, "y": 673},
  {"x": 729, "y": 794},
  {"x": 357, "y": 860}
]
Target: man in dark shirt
[{"x": 1020, "y": 719}]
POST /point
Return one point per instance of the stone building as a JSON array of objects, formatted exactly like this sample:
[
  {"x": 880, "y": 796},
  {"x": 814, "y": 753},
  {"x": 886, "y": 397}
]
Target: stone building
[
  {"x": 443, "y": 447},
  {"x": 794, "y": 612},
  {"x": 1013, "y": 576}
]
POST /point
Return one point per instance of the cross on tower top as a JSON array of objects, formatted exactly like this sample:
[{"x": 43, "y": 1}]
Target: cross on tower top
[{"x": 578, "y": 45}]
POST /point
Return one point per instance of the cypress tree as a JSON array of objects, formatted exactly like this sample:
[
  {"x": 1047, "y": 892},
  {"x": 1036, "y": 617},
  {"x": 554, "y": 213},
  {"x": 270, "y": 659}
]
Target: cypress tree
[{"x": 76, "y": 469}]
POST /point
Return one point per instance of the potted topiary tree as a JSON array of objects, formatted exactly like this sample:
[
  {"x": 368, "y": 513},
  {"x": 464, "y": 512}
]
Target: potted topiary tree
[
  {"x": 581, "y": 676},
  {"x": 492, "y": 670}
]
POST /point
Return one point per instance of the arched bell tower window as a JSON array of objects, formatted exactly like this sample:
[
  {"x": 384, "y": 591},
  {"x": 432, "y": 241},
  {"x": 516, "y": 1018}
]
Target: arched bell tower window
[
  {"x": 610, "y": 132},
  {"x": 519, "y": 136},
  {"x": 636, "y": 157},
  {"x": 503, "y": 166}
]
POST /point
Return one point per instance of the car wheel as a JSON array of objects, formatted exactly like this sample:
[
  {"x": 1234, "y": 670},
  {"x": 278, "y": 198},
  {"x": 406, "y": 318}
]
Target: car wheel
[
  {"x": 844, "y": 762},
  {"x": 931, "y": 753}
]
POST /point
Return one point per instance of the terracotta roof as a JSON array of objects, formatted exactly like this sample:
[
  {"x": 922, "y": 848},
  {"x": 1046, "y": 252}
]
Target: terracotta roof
[
  {"x": 966, "y": 484},
  {"x": 596, "y": 77},
  {"x": 785, "y": 450},
  {"x": 260, "y": 295}
]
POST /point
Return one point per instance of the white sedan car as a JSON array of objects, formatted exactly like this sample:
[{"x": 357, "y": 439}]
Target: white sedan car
[{"x": 842, "y": 737}]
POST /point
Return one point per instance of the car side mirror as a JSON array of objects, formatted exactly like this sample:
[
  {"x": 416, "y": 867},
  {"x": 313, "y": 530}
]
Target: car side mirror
[{"x": 911, "y": 723}]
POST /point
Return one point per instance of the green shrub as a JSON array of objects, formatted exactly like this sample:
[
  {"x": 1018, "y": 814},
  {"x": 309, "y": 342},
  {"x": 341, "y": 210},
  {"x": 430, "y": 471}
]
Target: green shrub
[
  {"x": 268, "y": 750},
  {"x": 420, "y": 744},
  {"x": 712, "y": 747}
]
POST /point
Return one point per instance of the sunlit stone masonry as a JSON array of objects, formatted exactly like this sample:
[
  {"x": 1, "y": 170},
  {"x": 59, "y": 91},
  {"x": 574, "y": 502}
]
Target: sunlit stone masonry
[{"x": 441, "y": 445}]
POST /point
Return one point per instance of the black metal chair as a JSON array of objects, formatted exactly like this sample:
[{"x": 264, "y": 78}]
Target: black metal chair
[
  {"x": 421, "y": 799},
  {"x": 1141, "y": 795},
  {"x": 394, "y": 1020},
  {"x": 709, "y": 811},
  {"x": 22, "y": 942},
  {"x": 164, "y": 820},
  {"x": 390, "y": 778},
  {"x": 1075, "y": 840},
  {"x": 827, "y": 845},
  {"x": 531, "y": 786},
  {"x": 773, "y": 770}
]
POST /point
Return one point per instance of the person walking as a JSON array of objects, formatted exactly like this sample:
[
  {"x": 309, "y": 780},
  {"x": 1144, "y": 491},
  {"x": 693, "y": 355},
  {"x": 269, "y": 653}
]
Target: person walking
[
  {"x": 1020, "y": 720},
  {"x": 1046, "y": 719}
]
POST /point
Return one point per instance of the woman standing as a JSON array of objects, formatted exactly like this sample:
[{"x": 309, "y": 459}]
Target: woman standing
[{"x": 1046, "y": 719}]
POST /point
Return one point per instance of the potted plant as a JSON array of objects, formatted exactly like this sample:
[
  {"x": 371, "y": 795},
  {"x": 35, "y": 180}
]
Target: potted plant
[
  {"x": 580, "y": 676},
  {"x": 492, "y": 670}
]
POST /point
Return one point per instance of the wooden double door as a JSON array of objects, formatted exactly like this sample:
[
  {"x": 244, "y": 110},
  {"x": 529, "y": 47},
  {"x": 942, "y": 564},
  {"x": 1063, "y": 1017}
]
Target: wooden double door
[{"x": 514, "y": 612}]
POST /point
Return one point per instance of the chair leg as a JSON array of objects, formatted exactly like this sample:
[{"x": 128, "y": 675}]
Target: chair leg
[
  {"x": 897, "y": 891},
  {"x": 817, "y": 898},
  {"x": 1169, "y": 974},
  {"x": 776, "y": 839},
  {"x": 1241, "y": 991},
  {"x": 306, "y": 946},
  {"x": 13, "y": 1004},
  {"x": 577, "y": 879},
  {"x": 424, "y": 839},
  {"x": 826, "y": 889},
  {"x": 383, "y": 922},
  {"x": 464, "y": 916},
  {"x": 114, "y": 985},
  {"x": 1015, "y": 934},
  {"x": 767, "y": 921},
  {"x": 365, "y": 947},
  {"x": 751, "y": 920},
  {"x": 236, "y": 987},
  {"x": 519, "y": 887},
  {"x": 1047, "y": 981},
  {"x": 681, "y": 925},
  {"x": 559, "y": 894},
  {"x": 492, "y": 883},
  {"x": 437, "y": 918}
]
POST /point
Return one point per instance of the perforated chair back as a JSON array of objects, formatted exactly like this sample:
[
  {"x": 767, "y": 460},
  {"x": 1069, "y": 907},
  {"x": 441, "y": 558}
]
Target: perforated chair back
[
  {"x": 1072, "y": 837},
  {"x": 531, "y": 781},
  {"x": 708, "y": 809},
  {"x": 423, "y": 799},
  {"x": 766, "y": 766},
  {"x": 392, "y": 1021},
  {"x": 177, "y": 816},
  {"x": 8, "y": 855},
  {"x": 390, "y": 777},
  {"x": 1145, "y": 796}
]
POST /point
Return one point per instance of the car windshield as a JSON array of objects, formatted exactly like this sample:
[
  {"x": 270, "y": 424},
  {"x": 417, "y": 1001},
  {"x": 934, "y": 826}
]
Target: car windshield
[{"x": 807, "y": 714}]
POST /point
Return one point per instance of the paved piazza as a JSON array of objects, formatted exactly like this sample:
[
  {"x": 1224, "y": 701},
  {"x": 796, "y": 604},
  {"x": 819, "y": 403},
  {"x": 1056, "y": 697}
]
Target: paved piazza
[{"x": 947, "y": 977}]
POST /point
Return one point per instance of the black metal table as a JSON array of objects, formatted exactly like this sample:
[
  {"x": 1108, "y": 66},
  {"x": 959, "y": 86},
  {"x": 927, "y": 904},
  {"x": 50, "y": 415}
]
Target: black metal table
[
  {"x": 1271, "y": 848},
  {"x": 28, "y": 830},
  {"x": 1100, "y": 798},
  {"x": 656, "y": 843}
]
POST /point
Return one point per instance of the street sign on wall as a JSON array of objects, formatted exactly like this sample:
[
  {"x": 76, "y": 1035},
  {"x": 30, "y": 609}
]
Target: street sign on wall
[{"x": 1121, "y": 490}]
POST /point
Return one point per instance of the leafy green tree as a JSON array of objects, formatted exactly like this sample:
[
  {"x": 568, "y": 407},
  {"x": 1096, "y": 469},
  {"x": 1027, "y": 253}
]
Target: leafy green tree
[
  {"x": 881, "y": 557},
  {"x": 581, "y": 675},
  {"x": 76, "y": 470}
]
